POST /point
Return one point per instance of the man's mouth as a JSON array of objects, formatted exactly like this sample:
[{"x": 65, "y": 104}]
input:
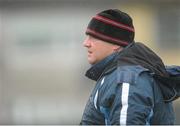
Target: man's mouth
[{"x": 89, "y": 53}]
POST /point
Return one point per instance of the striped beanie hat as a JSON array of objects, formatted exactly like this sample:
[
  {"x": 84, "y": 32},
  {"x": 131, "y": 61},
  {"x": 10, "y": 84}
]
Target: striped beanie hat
[{"x": 112, "y": 26}]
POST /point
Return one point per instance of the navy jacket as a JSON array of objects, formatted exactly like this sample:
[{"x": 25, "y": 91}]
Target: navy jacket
[{"x": 133, "y": 87}]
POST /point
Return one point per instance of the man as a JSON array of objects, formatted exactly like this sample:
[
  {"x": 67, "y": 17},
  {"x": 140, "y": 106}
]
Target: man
[{"x": 133, "y": 85}]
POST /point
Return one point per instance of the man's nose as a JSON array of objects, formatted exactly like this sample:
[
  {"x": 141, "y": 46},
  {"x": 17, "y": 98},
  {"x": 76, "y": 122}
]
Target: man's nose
[{"x": 86, "y": 43}]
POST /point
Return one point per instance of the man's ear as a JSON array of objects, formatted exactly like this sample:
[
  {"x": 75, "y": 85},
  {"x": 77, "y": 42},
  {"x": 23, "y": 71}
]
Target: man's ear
[{"x": 117, "y": 48}]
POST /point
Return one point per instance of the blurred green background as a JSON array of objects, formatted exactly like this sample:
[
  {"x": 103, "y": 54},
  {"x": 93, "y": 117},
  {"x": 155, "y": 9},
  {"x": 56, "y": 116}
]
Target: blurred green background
[{"x": 43, "y": 62}]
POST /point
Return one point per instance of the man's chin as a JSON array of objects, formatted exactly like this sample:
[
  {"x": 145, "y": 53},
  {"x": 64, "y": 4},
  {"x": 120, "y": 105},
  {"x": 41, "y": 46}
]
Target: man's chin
[{"x": 91, "y": 62}]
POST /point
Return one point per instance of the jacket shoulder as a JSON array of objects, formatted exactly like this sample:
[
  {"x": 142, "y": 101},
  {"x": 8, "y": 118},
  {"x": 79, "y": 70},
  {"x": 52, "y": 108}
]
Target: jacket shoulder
[{"x": 129, "y": 74}]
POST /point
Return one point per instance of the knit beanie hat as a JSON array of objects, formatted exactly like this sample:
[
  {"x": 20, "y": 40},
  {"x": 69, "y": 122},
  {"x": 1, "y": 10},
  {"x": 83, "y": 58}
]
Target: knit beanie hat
[{"x": 112, "y": 26}]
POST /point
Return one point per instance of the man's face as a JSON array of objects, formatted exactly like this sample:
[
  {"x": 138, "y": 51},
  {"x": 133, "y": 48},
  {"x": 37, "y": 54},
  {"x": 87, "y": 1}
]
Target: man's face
[{"x": 98, "y": 49}]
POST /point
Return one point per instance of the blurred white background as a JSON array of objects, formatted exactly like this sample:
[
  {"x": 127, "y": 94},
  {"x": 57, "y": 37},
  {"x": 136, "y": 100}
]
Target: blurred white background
[{"x": 43, "y": 62}]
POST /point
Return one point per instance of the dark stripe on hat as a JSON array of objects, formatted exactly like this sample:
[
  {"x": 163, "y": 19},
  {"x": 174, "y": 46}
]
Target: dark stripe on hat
[
  {"x": 107, "y": 38},
  {"x": 114, "y": 23}
]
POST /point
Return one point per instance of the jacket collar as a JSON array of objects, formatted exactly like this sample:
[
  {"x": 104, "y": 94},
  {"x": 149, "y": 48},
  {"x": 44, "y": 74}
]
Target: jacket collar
[{"x": 97, "y": 69}]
